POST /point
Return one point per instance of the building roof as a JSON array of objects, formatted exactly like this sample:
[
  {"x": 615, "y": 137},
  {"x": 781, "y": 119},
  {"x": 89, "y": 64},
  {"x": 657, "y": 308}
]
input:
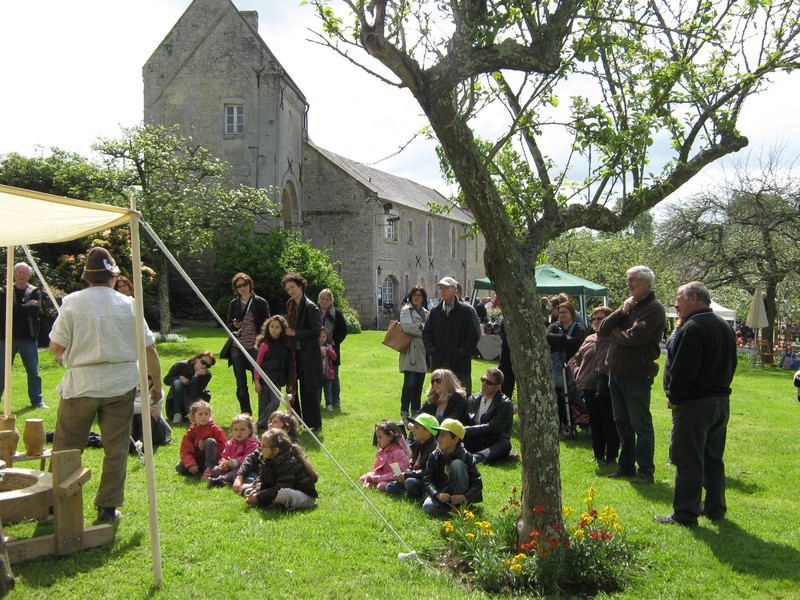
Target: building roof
[
  {"x": 391, "y": 188},
  {"x": 199, "y": 19}
]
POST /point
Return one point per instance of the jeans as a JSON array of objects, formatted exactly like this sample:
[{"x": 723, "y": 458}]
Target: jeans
[
  {"x": 29, "y": 352},
  {"x": 411, "y": 487},
  {"x": 241, "y": 371},
  {"x": 327, "y": 387},
  {"x": 630, "y": 398},
  {"x": 605, "y": 439},
  {"x": 336, "y": 387},
  {"x": 210, "y": 457},
  {"x": 412, "y": 392},
  {"x": 268, "y": 403},
  {"x": 699, "y": 430},
  {"x": 458, "y": 478},
  {"x": 114, "y": 415}
]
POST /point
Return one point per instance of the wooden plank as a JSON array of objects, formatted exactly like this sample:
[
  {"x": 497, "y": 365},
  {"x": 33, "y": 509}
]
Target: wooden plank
[
  {"x": 72, "y": 484},
  {"x": 68, "y": 510},
  {"x": 45, "y": 545}
]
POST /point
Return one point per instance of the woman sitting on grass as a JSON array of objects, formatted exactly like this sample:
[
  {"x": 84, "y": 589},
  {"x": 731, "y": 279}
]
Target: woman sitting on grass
[
  {"x": 446, "y": 399},
  {"x": 287, "y": 478},
  {"x": 188, "y": 382}
]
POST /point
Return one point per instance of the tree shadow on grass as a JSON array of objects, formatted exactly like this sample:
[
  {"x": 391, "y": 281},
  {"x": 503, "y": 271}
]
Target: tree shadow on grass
[{"x": 746, "y": 553}]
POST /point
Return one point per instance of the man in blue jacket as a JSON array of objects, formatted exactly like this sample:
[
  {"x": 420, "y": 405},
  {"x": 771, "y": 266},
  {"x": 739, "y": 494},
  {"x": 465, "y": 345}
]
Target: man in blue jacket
[{"x": 700, "y": 365}]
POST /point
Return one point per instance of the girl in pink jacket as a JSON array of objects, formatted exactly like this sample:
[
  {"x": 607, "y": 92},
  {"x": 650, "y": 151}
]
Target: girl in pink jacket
[
  {"x": 391, "y": 459},
  {"x": 241, "y": 444}
]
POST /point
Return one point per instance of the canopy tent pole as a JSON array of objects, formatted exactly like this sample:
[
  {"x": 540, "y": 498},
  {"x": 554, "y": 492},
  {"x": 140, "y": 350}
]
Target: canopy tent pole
[
  {"x": 42, "y": 280},
  {"x": 144, "y": 396},
  {"x": 9, "y": 326}
]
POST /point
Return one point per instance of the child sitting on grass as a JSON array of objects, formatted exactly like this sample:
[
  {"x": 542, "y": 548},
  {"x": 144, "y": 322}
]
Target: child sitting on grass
[
  {"x": 247, "y": 476},
  {"x": 451, "y": 475},
  {"x": 287, "y": 478},
  {"x": 203, "y": 442},
  {"x": 242, "y": 444},
  {"x": 282, "y": 419},
  {"x": 411, "y": 481},
  {"x": 391, "y": 458}
]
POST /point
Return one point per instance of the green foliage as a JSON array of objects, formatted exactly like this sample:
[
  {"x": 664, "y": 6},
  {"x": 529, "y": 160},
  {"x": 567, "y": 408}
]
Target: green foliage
[
  {"x": 585, "y": 558},
  {"x": 267, "y": 258},
  {"x": 604, "y": 259},
  {"x": 182, "y": 190}
]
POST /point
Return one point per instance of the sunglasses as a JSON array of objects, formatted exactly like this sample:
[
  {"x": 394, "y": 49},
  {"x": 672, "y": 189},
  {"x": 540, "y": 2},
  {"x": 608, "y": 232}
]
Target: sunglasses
[
  {"x": 436, "y": 380},
  {"x": 488, "y": 381},
  {"x": 239, "y": 286},
  {"x": 205, "y": 363}
]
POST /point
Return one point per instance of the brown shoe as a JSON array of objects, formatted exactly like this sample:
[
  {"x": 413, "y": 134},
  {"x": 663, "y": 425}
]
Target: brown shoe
[{"x": 641, "y": 479}]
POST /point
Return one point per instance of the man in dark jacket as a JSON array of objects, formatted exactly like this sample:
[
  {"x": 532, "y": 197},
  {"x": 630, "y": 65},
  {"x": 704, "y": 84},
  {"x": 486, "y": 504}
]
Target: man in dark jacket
[
  {"x": 451, "y": 475},
  {"x": 451, "y": 334},
  {"x": 701, "y": 361},
  {"x": 635, "y": 330},
  {"x": 24, "y": 332},
  {"x": 491, "y": 413}
]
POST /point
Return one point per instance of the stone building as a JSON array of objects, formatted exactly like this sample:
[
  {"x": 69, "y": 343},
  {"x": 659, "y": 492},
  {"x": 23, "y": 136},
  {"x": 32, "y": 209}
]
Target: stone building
[{"x": 215, "y": 77}]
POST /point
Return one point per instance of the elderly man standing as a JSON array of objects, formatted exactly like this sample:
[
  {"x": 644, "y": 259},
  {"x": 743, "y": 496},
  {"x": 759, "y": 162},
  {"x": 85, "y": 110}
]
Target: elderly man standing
[
  {"x": 95, "y": 338},
  {"x": 635, "y": 331},
  {"x": 24, "y": 332},
  {"x": 700, "y": 365},
  {"x": 451, "y": 333}
]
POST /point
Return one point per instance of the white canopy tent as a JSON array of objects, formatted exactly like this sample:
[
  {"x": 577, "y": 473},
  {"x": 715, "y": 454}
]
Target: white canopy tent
[
  {"x": 28, "y": 217},
  {"x": 726, "y": 313}
]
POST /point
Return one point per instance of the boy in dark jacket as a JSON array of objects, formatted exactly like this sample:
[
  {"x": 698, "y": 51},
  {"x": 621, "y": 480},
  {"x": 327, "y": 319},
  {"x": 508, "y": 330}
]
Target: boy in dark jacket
[{"x": 451, "y": 475}]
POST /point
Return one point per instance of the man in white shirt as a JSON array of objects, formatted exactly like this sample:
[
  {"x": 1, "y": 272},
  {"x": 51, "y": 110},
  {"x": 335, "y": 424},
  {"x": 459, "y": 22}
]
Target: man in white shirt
[{"x": 94, "y": 336}]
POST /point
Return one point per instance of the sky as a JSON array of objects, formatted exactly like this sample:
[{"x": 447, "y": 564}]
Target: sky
[{"x": 71, "y": 72}]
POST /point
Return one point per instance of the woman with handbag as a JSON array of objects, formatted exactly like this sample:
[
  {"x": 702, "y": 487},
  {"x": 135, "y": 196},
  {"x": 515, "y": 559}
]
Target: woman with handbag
[
  {"x": 246, "y": 314},
  {"x": 305, "y": 323},
  {"x": 414, "y": 361}
]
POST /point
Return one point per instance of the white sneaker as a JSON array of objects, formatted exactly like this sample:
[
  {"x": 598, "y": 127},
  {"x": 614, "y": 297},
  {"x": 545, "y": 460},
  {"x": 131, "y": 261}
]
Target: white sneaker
[
  {"x": 329, "y": 408},
  {"x": 177, "y": 419}
]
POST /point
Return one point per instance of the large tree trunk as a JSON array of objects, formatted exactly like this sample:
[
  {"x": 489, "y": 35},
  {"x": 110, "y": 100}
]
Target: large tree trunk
[
  {"x": 165, "y": 325},
  {"x": 530, "y": 356},
  {"x": 511, "y": 264}
]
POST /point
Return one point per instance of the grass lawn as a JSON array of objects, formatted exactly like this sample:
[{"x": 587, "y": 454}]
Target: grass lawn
[{"x": 213, "y": 545}]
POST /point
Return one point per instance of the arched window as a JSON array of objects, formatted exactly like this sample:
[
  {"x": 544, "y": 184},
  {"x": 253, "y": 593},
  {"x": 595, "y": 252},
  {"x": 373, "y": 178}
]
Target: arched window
[{"x": 389, "y": 292}]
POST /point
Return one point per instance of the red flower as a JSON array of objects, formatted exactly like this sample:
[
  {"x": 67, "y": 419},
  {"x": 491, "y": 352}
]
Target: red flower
[
  {"x": 538, "y": 509},
  {"x": 593, "y": 534}
]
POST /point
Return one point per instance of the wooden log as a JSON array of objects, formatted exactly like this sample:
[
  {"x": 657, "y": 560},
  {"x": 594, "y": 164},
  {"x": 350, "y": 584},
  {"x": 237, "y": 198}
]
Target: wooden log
[
  {"x": 67, "y": 508},
  {"x": 45, "y": 545}
]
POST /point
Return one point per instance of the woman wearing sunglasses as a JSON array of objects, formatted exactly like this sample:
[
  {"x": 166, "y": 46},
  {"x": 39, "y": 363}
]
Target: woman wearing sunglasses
[
  {"x": 188, "y": 382},
  {"x": 246, "y": 315},
  {"x": 446, "y": 397}
]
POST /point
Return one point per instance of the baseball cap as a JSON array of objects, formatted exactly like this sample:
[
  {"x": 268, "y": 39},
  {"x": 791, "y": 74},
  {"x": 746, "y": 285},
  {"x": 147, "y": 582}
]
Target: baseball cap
[{"x": 453, "y": 426}]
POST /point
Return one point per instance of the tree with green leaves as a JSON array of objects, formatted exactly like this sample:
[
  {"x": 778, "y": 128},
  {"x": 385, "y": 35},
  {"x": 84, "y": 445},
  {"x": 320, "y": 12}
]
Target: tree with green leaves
[
  {"x": 183, "y": 192},
  {"x": 740, "y": 234},
  {"x": 267, "y": 258},
  {"x": 553, "y": 116},
  {"x": 601, "y": 257}
]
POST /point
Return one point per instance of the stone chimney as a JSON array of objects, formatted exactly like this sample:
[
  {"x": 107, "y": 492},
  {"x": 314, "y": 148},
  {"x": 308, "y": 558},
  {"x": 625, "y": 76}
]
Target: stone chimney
[{"x": 251, "y": 16}]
